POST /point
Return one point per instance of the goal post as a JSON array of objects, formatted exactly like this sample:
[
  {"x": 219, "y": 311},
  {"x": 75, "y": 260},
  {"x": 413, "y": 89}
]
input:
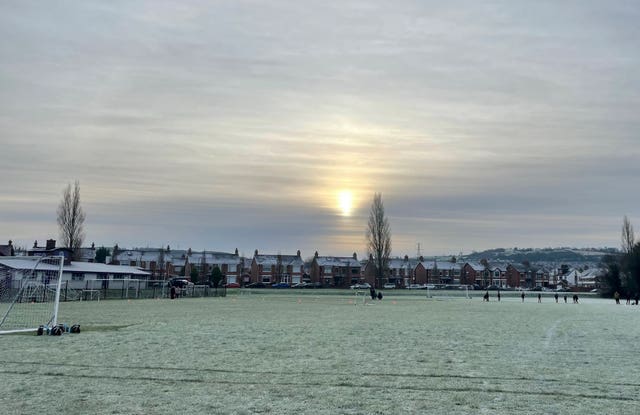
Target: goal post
[{"x": 29, "y": 293}]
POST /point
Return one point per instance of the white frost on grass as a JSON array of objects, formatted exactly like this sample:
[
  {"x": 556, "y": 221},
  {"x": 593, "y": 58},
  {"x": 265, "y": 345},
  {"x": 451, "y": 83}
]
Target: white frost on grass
[{"x": 288, "y": 353}]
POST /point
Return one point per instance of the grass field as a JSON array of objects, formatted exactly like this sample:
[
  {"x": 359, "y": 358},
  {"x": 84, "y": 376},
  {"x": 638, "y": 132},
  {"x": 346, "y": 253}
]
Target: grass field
[{"x": 318, "y": 353}]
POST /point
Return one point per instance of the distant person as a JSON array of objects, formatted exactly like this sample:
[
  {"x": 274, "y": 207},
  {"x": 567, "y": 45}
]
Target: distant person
[
  {"x": 539, "y": 297},
  {"x": 173, "y": 292},
  {"x": 522, "y": 296},
  {"x": 486, "y": 297},
  {"x": 556, "y": 297},
  {"x": 616, "y": 296},
  {"x": 379, "y": 295},
  {"x": 575, "y": 299},
  {"x": 372, "y": 292},
  {"x": 498, "y": 295},
  {"x": 628, "y": 298},
  {"x": 637, "y": 298},
  {"x": 565, "y": 298}
]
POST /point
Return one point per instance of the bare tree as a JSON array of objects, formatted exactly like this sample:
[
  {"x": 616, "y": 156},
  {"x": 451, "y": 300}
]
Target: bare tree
[
  {"x": 379, "y": 237},
  {"x": 628, "y": 238},
  {"x": 71, "y": 219}
]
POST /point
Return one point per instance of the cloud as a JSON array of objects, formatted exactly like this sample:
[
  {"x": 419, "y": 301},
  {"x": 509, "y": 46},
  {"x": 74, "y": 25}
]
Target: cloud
[{"x": 241, "y": 121}]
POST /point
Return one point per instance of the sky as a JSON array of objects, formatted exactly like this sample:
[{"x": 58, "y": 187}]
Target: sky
[{"x": 270, "y": 125}]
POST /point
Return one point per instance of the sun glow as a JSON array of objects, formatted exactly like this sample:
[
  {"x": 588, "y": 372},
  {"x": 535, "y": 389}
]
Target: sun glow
[{"x": 345, "y": 202}]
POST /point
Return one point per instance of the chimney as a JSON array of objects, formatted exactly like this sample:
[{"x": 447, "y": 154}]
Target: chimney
[
  {"x": 298, "y": 253},
  {"x": 316, "y": 254},
  {"x": 355, "y": 256},
  {"x": 236, "y": 251},
  {"x": 51, "y": 244}
]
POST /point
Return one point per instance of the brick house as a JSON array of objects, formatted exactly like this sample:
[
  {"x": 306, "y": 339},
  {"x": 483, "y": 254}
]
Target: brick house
[
  {"x": 7, "y": 250},
  {"x": 160, "y": 263},
  {"x": 516, "y": 275},
  {"x": 401, "y": 271},
  {"x": 230, "y": 264},
  {"x": 335, "y": 271},
  {"x": 270, "y": 269},
  {"x": 472, "y": 273}
]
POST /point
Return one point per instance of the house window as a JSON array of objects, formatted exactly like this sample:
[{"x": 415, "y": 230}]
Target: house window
[
  {"x": 266, "y": 279},
  {"x": 327, "y": 271},
  {"x": 266, "y": 268},
  {"x": 77, "y": 276},
  {"x": 232, "y": 268},
  {"x": 132, "y": 263}
]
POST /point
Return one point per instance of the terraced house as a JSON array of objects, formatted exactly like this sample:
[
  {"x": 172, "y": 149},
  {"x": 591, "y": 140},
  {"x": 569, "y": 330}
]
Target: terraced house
[
  {"x": 275, "y": 268},
  {"x": 230, "y": 264},
  {"x": 335, "y": 271}
]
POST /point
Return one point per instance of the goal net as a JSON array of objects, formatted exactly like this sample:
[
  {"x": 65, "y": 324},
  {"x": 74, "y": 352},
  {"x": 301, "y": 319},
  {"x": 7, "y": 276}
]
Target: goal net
[{"x": 29, "y": 293}]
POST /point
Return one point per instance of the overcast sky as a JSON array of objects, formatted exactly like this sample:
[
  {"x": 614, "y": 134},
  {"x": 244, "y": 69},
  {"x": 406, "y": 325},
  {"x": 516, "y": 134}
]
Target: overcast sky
[{"x": 239, "y": 124}]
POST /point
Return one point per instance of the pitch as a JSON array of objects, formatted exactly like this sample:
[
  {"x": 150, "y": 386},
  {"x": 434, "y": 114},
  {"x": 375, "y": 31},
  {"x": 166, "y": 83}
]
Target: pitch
[{"x": 305, "y": 353}]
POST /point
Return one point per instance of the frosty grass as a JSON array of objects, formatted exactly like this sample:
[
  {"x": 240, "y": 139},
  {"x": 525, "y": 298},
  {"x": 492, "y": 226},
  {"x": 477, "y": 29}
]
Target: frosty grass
[{"x": 314, "y": 352}]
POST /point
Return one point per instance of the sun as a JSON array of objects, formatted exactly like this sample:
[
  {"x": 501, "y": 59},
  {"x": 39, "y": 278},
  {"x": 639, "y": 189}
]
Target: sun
[{"x": 345, "y": 202}]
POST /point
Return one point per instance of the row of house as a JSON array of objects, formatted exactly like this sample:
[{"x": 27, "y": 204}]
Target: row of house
[{"x": 329, "y": 271}]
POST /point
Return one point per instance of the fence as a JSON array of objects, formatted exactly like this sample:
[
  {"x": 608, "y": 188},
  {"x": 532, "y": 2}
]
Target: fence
[{"x": 112, "y": 289}]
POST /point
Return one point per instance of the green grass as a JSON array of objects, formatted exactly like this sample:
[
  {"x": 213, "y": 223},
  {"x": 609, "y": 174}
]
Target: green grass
[{"x": 317, "y": 353}]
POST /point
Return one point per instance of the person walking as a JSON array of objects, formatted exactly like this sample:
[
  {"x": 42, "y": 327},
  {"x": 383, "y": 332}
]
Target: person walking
[
  {"x": 556, "y": 297},
  {"x": 498, "y": 295},
  {"x": 616, "y": 296},
  {"x": 539, "y": 297},
  {"x": 522, "y": 296}
]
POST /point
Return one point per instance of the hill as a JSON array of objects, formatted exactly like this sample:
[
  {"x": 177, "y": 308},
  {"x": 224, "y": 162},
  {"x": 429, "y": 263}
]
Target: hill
[{"x": 539, "y": 255}]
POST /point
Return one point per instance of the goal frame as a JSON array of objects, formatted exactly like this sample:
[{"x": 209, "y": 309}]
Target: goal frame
[{"x": 56, "y": 302}]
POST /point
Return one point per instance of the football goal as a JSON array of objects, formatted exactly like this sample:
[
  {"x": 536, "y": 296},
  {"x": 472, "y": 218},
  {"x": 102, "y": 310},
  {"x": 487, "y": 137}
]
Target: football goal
[{"x": 29, "y": 293}]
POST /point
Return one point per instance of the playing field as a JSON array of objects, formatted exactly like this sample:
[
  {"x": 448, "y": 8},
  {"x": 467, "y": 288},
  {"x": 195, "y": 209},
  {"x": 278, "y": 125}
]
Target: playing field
[{"x": 316, "y": 353}]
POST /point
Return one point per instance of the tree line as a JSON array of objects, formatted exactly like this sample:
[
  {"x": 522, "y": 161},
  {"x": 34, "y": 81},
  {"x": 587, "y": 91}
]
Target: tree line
[{"x": 623, "y": 269}]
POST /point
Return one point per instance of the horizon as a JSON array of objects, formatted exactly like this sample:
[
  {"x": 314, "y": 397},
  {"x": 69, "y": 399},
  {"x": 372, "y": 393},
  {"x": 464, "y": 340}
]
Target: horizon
[{"x": 271, "y": 126}]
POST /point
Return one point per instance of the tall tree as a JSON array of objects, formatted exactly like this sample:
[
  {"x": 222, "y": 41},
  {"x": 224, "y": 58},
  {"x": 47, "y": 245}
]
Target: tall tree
[
  {"x": 379, "y": 237},
  {"x": 612, "y": 281},
  {"x": 628, "y": 238},
  {"x": 216, "y": 277},
  {"x": 71, "y": 219},
  {"x": 101, "y": 254}
]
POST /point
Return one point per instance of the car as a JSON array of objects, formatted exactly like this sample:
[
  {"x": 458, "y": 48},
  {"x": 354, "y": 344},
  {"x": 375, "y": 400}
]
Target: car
[
  {"x": 416, "y": 287},
  {"x": 313, "y": 285},
  {"x": 280, "y": 285},
  {"x": 595, "y": 290},
  {"x": 256, "y": 285},
  {"x": 300, "y": 285},
  {"x": 538, "y": 288},
  {"x": 361, "y": 286},
  {"x": 430, "y": 286},
  {"x": 232, "y": 285},
  {"x": 179, "y": 282},
  {"x": 493, "y": 287},
  {"x": 389, "y": 286}
]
